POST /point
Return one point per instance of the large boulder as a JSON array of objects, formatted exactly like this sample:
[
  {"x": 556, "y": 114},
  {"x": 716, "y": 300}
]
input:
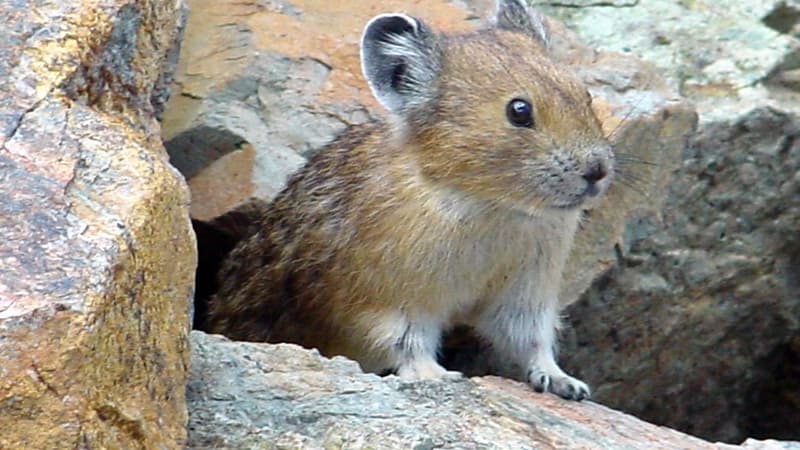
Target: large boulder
[
  {"x": 697, "y": 325},
  {"x": 97, "y": 256}
]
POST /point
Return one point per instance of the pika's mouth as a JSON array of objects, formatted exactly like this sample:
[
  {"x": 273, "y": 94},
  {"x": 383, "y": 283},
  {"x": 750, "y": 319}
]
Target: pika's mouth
[
  {"x": 569, "y": 205},
  {"x": 592, "y": 190},
  {"x": 568, "y": 183}
]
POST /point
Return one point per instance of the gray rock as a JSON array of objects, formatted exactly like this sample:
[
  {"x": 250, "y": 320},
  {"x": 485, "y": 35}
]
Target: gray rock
[
  {"x": 690, "y": 352},
  {"x": 728, "y": 246},
  {"x": 266, "y": 107},
  {"x": 246, "y": 110},
  {"x": 696, "y": 326},
  {"x": 717, "y": 53},
  {"x": 770, "y": 444},
  {"x": 259, "y": 396},
  {"x": 163, "y": 86}
]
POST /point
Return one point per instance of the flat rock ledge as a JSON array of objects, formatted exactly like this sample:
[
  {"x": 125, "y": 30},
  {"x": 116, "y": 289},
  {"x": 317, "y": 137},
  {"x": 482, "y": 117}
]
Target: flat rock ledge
[{"x": 261, "y": 396}]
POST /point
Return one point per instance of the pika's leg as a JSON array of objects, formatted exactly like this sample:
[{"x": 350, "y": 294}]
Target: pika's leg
[
  {"x": 409, "y": 346},
  {"x": 526, "y": 332}
]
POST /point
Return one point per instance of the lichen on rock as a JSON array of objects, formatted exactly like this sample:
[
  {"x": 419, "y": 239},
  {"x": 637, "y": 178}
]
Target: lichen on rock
[{"x": 97, "y": 256}]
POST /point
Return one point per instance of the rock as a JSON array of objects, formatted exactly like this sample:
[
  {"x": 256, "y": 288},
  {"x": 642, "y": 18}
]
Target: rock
[
  {"x": 697, "y": 324},
  {"x": 717, "y": 53},
  {"x": 248, "y": 396},
  {"x": 707, "y": 292},
  {"x": 770, "y": 444},
  {"x": 96, "y": 260}
]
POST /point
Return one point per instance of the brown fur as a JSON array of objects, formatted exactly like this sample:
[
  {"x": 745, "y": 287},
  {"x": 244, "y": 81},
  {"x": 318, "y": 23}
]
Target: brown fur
[{"x": 422, "y": 218}]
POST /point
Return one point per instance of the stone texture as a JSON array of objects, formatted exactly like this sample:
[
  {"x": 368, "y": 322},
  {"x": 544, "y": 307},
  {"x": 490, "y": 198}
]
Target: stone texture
[
  {"x": 96, "y": 260},
  {"x": 716, "y": 53},
  {"x": 259, "y": 396},
  {"x": 706, "y": 292},
  {"x": 697, "y": 325}
]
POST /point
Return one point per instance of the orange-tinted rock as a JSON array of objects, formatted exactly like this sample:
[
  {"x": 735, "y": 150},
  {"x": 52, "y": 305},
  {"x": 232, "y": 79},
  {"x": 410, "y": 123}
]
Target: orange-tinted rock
[
  {"x": 283, "y": 77},
  {"x": 96, "y": 259}
]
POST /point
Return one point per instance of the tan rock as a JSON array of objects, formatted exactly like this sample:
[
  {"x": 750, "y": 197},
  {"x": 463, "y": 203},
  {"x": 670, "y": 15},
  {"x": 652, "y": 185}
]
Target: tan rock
[
  {"x": 96, "y": 256},
  {"x": 283, "y": 77}
]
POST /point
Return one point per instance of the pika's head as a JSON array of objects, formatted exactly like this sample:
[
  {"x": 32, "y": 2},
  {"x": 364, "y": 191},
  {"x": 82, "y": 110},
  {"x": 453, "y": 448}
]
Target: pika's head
[{"x": 490, "y": 113}]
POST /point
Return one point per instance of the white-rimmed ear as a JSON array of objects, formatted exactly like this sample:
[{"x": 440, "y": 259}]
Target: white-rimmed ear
[
  {"x": 516, "y": 15},
  {"x": 401, "y": 60}
]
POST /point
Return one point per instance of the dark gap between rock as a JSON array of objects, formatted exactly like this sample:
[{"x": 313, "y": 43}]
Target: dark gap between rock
[
  {"x": 783, "y": 18},
  {"x": 773, "y": 403}
]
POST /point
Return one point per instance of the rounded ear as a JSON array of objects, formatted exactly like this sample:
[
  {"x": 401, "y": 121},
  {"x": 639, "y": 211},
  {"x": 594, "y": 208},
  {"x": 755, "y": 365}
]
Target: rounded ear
[
  {"x": 400, "y": 59},
  {"x": 516, "y": 15}
]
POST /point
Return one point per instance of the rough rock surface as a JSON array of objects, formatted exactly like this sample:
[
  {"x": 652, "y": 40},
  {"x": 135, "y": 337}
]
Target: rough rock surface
[
  {"x": 695, "y": 321},
  {"x": 96, "y": 255},
  {"x": 253, "y": 396},
  {"x": 698, "y": 324},
  {"x": 723, "y": 55}
]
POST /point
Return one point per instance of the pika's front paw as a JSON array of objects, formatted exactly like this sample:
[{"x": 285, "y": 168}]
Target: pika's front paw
[
  {"x": 569, "y": 388},
  {"x": 426, "y": 370},
  {"x": 564, "y": 386}
]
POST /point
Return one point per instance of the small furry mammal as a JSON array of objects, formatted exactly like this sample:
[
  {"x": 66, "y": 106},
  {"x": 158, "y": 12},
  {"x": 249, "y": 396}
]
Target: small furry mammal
[{"x": 460, "y": 209}]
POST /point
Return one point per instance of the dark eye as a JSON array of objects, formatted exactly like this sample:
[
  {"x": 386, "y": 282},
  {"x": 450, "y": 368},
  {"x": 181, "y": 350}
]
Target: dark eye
[{"x": 519, "y": 113}]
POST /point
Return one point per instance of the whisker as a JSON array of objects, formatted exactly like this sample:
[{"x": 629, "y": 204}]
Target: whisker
[
  {"x": 628, "y": 155},
  {"x": 618, "y": 126},
  {"x": 632, "y": 186},
  {"x": 636, "y": 177},
  {"x": 632, "y": 177},
  {"x": 634, "y": 109},
  {"x": 634, "y": 160}
]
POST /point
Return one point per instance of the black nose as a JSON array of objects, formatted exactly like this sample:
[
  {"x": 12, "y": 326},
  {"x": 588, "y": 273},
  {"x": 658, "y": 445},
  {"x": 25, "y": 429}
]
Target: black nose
[{"x": 595, "y": 172}]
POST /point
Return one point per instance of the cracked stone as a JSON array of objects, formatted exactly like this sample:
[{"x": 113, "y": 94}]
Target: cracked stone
[{"x": 97, "y": 260}]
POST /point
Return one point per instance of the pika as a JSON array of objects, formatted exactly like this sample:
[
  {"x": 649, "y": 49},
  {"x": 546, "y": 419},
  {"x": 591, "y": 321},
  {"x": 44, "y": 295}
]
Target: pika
[{"x": 459, "y": 208}]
